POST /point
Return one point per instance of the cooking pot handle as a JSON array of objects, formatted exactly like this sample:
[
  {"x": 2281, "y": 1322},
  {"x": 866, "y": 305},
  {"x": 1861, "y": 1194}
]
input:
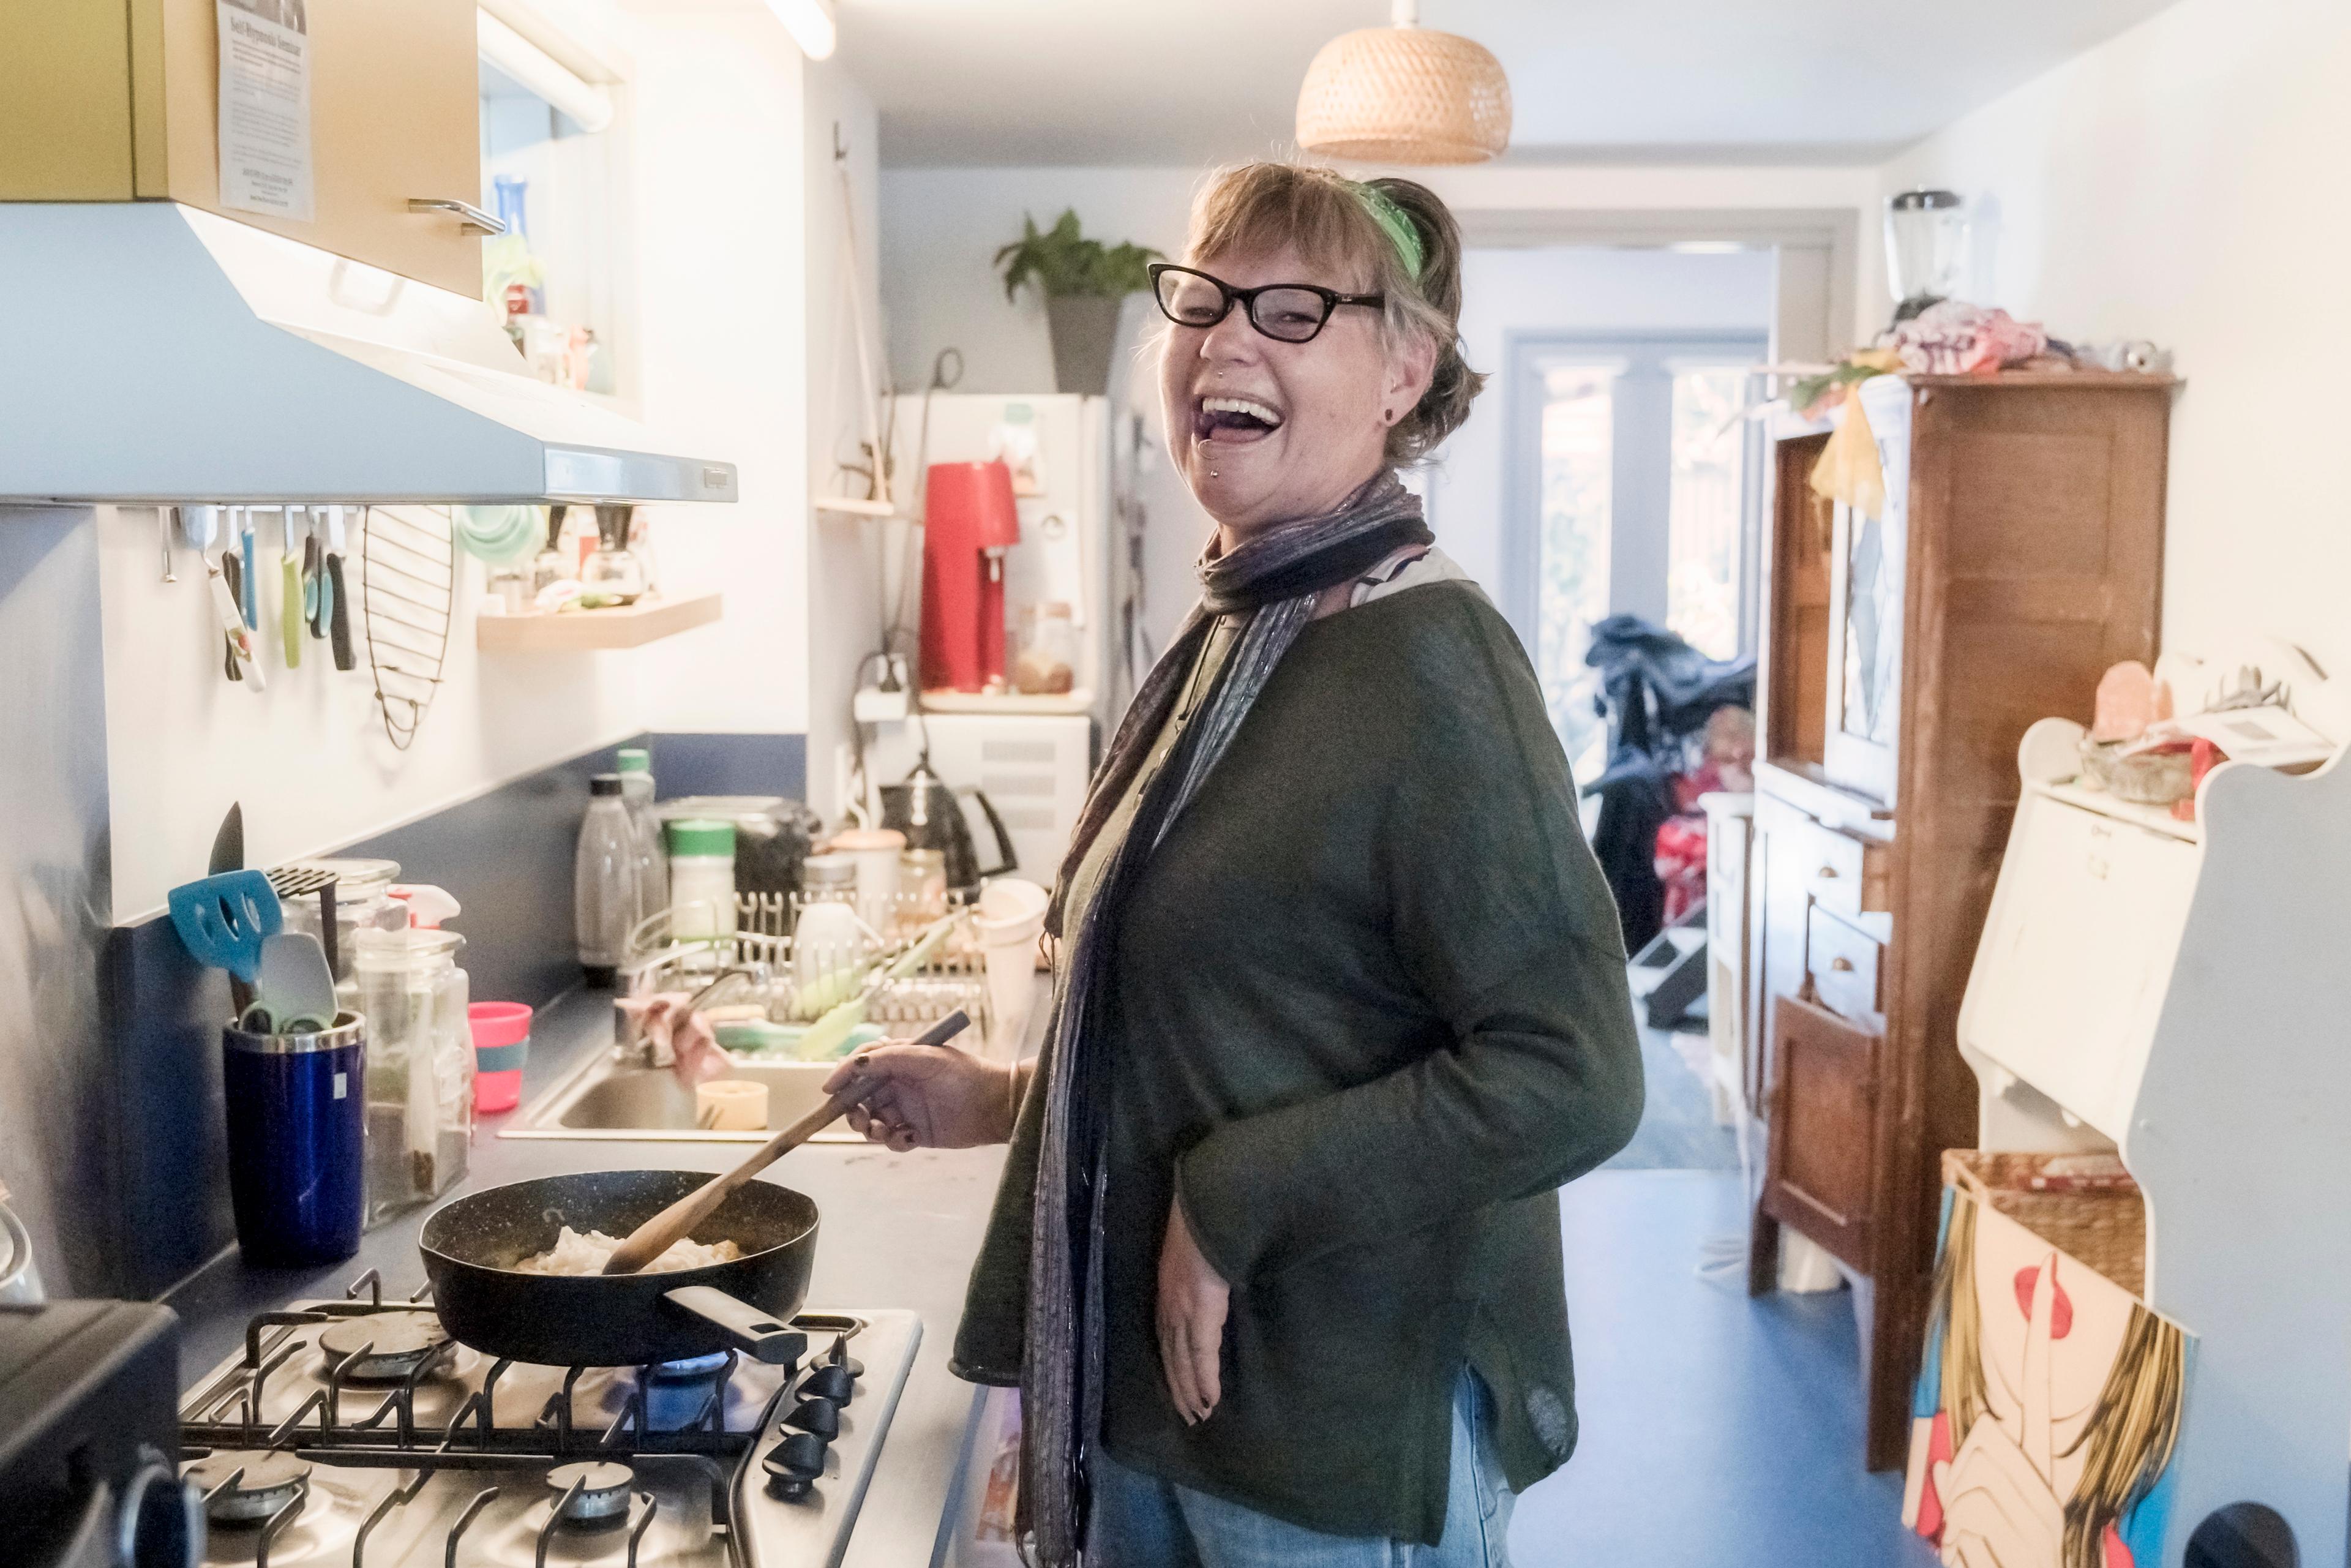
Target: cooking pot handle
[
  {"x": 778, "y": 1344},
  {"x": 1003, "y": 840}
]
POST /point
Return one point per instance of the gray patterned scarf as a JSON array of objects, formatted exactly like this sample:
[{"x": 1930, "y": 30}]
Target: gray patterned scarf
[{"x": 1272, "y": 580}]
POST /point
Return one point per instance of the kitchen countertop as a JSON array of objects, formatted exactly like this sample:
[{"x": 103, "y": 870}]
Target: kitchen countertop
[{"x": 897, "y": 1231}]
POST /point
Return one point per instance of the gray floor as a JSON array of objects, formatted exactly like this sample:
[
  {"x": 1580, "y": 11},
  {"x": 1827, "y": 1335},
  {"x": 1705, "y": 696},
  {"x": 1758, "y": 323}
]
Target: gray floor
[
  {"x": 1716, "y": 1430},
  {"x": 1677, "y": 1131}
]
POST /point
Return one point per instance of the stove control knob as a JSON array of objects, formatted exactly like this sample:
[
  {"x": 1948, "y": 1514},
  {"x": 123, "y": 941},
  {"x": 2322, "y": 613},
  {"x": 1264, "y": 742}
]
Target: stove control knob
[
  {"x": 820, "y": 1416},
  {"x": 833, "y": 1383},
  {"x": 794, "y": 1465},
  {"x": 839, "y": 1357}
]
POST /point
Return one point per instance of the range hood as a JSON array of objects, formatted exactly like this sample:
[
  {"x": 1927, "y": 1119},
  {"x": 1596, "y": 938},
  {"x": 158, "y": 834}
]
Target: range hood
[{"x": 156, "y": 353}]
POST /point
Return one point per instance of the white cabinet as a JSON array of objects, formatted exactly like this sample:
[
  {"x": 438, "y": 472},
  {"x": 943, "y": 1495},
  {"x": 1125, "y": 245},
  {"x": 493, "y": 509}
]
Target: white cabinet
[{"x": 2076, "y": 955}]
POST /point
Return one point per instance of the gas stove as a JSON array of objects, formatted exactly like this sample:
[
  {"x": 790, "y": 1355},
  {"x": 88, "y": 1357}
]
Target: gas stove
[{"x": 357, "y": 1433}]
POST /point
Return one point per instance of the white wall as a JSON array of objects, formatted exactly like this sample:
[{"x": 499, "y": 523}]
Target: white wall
[
  {"x": 844, "y": 559},
  {"x": 1578, "y": 290},
  {"x": 309, "y": 757},
  {"x": 941, "y": 228},
  {"x": 722, "y": 252},
  {"x": 2184, "y": 182}
]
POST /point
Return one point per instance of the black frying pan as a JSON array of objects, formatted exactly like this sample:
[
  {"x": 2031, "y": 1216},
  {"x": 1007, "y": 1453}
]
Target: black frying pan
[{"x": 472, "y": 1244}]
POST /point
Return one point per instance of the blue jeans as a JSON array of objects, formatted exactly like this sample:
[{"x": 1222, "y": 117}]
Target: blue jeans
[{"x": 1141, "y": 1522}]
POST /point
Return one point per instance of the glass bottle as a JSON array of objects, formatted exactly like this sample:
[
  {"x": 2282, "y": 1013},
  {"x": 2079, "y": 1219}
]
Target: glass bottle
[
  {"x": 420, "y": 1066},
  {"x": 653, "y": 861},
  {"x": 604, "y": 889}
]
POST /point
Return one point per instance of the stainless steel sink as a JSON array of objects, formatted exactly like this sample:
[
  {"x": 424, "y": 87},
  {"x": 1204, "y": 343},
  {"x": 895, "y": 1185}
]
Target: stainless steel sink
[{"x": 614, "y": 1097}]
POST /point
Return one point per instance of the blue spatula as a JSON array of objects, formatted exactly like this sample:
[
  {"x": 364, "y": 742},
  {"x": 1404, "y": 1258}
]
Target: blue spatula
[{"x": 224, "y": 919}]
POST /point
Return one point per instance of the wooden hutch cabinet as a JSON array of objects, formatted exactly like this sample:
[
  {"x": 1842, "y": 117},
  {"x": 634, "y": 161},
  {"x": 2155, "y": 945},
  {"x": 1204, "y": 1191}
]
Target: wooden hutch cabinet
[{"x": 2019, "y": 554}]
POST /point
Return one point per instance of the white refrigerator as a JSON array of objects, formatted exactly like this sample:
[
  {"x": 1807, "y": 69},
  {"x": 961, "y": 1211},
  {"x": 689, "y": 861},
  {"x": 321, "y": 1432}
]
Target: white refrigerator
[{"x": 1030, "y": 754}]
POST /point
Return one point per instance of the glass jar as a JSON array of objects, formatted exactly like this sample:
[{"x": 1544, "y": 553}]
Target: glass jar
[
  {"x": 1045, "y": 658},
  {"x": 611, "y": 576},
  {"x": 361, "y": 903},
  {"x": 420, "y": 1066},
  {"x": 550, "y": 566},
  {"x": 923, "y": 885},
  {"x": 828, "y": 878},
  {"x": 701, "y": 880}
]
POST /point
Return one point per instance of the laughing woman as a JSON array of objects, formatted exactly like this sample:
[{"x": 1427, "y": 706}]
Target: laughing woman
[{"x": 1340, "y": 999}]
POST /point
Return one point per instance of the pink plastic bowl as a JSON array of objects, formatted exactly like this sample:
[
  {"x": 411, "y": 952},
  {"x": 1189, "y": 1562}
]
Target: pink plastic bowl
[{"x": 501, "y": 1043}]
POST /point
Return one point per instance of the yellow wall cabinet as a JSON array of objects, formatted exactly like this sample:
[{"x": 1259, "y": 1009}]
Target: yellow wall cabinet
[{"x": 116, "y": 100}]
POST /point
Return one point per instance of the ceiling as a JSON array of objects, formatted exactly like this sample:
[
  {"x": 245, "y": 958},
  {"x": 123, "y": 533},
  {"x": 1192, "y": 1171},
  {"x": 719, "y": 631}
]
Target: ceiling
[{"x": 978, "y": 82}]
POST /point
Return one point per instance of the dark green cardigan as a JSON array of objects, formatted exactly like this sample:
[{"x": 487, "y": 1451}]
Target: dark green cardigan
[{"x": 1370, "y": 1011}]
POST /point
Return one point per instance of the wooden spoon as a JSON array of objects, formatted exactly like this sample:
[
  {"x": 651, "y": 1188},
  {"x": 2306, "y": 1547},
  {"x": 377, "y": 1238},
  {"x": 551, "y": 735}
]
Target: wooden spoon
[{"x": 663, "y": 1231}]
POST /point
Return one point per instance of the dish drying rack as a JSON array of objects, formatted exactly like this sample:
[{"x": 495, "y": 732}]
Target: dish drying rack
[{"x": 757, "y": 963}]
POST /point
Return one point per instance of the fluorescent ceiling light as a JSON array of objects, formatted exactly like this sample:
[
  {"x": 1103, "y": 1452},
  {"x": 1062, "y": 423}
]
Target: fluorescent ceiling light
[{"x": 809, "y": 22}]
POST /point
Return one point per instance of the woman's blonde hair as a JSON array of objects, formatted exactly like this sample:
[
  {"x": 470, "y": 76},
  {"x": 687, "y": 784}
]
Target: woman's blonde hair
[
  {"x": 1329, "y": 219},
  {"x": 2132, "y": 1429}
]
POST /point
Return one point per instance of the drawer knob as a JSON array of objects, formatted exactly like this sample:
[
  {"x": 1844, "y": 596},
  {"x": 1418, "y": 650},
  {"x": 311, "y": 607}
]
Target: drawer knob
[
  {"x": 1827, "y": 873},
  {"x": 1842, "y": 965}
]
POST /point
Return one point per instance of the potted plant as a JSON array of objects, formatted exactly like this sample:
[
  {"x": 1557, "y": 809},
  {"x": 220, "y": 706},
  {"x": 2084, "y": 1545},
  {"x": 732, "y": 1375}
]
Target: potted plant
[{"x": 1083, "y": 280}]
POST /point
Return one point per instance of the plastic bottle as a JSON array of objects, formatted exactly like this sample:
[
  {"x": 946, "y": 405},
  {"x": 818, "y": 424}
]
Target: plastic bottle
[
  {"x": 701, "y": 880},
  {"x": 653, "y": 863},
  {"x": 604, "y": 889}
]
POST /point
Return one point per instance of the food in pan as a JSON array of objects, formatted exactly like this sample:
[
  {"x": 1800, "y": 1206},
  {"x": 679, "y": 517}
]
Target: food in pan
[{"x": 584, "y": 1252}]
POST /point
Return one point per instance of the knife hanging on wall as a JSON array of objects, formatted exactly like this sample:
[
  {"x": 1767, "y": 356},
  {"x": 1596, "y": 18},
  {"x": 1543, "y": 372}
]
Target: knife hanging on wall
[
  {"x": 241, "y": 659},
  {"x": 248, "y": 580},
  {"x": 289, "y": 594},
  {"x": 334, "y": 590}
]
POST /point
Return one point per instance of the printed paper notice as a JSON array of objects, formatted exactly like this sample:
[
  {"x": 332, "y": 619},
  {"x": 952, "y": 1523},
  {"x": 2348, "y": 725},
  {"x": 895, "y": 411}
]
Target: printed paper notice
[{"x": 265, "y": 107}]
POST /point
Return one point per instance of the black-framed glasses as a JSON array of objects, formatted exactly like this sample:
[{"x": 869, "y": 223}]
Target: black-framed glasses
[{"x": 1286, "y": 312}]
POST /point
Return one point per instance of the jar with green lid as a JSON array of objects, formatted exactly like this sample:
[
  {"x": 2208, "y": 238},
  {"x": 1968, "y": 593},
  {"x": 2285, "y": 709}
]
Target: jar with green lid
[{"x": 701, "y": 880}]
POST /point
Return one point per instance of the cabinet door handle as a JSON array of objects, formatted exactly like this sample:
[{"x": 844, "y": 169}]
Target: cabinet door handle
[
  {"x": 1827, "y": 873},
  {"x": 1843, "y": 965},
  {"x": 468, "y": 215}
]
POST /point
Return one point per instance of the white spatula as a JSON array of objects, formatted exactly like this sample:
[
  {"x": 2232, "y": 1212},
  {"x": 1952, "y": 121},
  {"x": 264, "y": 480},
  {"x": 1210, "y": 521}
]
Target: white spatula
[{"x": 293, "y": 991}]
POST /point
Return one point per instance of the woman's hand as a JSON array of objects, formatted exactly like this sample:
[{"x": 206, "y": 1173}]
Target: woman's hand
[
  {"x": 1193, "y": 1301},
  {"x": 928, "y": 1096}
]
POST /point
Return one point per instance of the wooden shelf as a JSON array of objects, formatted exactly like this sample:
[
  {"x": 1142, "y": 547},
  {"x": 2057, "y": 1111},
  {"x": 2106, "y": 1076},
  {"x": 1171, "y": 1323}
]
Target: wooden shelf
[
  {"x": 582, "y": 631},
  {"x": 1080, "y": 701}
]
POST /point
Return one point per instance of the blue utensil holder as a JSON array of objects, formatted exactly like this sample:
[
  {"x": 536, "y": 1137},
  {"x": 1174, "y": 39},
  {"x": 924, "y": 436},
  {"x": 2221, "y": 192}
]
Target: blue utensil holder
[{"x": 297, "y": 1124}]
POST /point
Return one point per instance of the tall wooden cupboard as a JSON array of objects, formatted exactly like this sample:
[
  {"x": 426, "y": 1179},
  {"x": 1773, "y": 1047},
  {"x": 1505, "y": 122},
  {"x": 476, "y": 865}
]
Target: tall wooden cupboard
[
  {"x": 117, "y": 101},
  {"x": 2018, "y": 555}
]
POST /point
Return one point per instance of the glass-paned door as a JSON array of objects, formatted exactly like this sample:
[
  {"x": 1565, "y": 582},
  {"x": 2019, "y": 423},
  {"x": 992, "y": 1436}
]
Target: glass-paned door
[{"x": 1629, "y": 494}]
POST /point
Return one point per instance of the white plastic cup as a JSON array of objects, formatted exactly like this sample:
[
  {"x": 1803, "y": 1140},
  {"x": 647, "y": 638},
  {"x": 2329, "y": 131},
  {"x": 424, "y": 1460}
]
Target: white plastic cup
[{"x": 1009, "y": 919}]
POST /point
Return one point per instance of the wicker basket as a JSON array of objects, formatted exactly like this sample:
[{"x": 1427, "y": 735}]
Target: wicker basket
[
  {"x": 2091, "y": 1211},
  {"x": 1404, "y": 95}
]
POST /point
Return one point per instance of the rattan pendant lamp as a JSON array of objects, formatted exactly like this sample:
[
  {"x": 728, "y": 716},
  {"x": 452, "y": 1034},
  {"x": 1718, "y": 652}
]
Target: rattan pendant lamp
[{"x": 1403, "y": 94}]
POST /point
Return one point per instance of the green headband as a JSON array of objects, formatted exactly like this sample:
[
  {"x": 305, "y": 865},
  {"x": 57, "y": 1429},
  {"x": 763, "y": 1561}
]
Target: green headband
[{"x": 1395, "y": 223}]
